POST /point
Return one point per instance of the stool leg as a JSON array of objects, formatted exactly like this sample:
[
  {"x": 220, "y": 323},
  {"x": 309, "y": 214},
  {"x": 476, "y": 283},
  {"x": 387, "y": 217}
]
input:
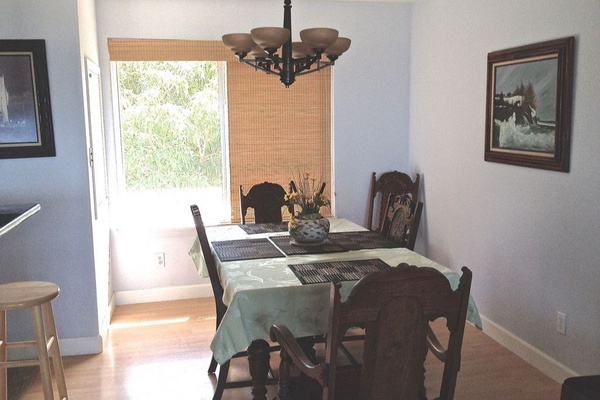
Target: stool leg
[
  {"x": 40, "y": 338},
  {"x": 55, "y": 351},
  {"x": 3, "y": 337}
]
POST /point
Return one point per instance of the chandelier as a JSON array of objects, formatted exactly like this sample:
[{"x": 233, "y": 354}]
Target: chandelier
[{"x": 260, "y": 48}]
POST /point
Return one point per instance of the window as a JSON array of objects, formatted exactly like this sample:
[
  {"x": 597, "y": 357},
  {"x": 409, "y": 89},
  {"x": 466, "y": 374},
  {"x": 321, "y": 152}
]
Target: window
[
  {"x": 268, "y": 132},
  {"x": 172, "y": 132}
]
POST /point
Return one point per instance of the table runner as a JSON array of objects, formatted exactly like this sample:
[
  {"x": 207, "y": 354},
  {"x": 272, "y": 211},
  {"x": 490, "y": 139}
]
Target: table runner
[
  {"x": 322, "y": 272},
  {"x": 289, "y": 249},
  {"x": 255, "y": 229},
  {"x": 246, "y": 249}
]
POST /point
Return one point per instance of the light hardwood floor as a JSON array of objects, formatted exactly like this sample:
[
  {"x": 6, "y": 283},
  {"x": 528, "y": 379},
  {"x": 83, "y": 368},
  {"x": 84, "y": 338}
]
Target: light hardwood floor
[{"x": 161, "y": 351}]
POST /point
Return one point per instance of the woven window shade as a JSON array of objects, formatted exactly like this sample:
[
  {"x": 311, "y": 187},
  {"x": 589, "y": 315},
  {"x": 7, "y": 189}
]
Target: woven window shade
[{"x": 274, "y": 132}]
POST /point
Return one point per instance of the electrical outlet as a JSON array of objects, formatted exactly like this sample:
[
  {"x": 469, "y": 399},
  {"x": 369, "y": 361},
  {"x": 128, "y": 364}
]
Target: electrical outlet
[
  {"x": 561, "y": 323},
  {"x": 159, "y": 260}
]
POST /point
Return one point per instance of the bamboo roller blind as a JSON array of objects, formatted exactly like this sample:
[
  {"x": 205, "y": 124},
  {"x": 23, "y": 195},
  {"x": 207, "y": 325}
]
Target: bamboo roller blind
[{"x": 274, "y": 132}]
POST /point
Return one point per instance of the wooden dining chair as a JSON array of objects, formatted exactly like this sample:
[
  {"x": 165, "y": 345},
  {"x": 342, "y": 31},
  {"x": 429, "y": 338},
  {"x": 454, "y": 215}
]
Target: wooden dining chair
[
  {"x": 393, "y": 182},
  {"x": 266, "y": 199},
  {"x": 395, "y": 308},
  {"x": 401, "y": 219},
  {"x": 221, "y": 308}
]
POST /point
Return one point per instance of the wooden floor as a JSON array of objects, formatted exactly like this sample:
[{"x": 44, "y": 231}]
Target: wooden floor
[{"x": 161, "y": 351}]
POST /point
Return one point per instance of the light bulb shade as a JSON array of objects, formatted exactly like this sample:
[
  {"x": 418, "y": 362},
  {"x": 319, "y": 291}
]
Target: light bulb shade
[
  {"x": 300, "y": 50},
  {"x": 239, "y": 42},
  {"x": 270, "y": 37},
  {"x": 338, "y": 47},
  {"x": 319, "y": 38},
  {"x": 258, "y": 52}
]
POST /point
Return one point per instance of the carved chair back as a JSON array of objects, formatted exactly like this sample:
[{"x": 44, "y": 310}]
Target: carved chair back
[
  {"x": 393, "y": 182},
  {"x": 401, "y": 219},
  {"x": 395, "y": 308}
]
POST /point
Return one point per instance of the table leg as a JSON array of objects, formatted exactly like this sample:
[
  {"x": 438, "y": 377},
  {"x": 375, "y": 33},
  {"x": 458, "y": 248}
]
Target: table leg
[{"x": 258, "y": 359}]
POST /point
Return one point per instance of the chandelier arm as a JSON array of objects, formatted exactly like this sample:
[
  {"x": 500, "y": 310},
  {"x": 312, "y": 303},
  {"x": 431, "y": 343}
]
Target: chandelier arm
[
  {"x": 305, "y": 63},
  {"x": 259, "y": 65},
  {"x": 276, "y": 61},
  {"x": 320, "y": 66}
]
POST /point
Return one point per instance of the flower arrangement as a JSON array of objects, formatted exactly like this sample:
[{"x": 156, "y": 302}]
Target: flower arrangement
[{"x": 307, "y": 195}]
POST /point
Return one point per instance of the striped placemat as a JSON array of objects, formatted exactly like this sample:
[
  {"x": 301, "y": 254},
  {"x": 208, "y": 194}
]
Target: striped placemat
[
  {"x": 362, "y": 240},
  {"x": 245, "y": 249},
  {"x": 290, "y": 248},
  {"x": 341, "y": 270},
  {"x": 254, "y": 229}
]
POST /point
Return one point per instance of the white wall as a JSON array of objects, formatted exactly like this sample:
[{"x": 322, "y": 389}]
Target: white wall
[
  {"x": 56, "y": 243},
  {"x": 370, "y": 103},
  {"x": 530, "y": 236}
]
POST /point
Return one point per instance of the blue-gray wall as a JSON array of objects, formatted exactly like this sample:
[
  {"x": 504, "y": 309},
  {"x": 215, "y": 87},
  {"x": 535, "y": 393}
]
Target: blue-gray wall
[
  {"x": 529, "y": 235},
  {"x": 56, "y": 243}
]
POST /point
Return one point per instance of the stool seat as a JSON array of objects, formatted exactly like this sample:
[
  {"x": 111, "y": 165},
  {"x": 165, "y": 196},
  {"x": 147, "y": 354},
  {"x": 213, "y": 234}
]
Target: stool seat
[
  {"x": 17, "y": 295},
  {"x": 38, "y": 297},
  {"x": 581, "y": 388}
]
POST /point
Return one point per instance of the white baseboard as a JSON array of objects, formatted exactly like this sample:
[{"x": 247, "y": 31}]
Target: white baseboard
[
  {"x": 533, "y": 356},
  {"x": 68, "y": 347},
  {"x": 81, "y": 346},
  {"x": 163, "y": 294}
]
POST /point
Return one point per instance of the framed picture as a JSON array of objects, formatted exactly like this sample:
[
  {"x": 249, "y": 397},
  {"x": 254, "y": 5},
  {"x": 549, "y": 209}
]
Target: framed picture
[
  {"x": 25, "y": 113},
  {"x": 528, "y": 115}
]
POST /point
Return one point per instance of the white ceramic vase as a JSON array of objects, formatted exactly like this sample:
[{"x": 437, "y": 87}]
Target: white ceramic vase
[{"x": 308, "y": 228}]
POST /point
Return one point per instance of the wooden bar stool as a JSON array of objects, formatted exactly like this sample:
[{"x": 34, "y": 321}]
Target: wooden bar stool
[{"x": 38, "y": 297}]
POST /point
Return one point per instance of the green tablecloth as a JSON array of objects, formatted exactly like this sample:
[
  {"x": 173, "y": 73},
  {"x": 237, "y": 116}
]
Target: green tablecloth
[{"x": 262, "y": 292}]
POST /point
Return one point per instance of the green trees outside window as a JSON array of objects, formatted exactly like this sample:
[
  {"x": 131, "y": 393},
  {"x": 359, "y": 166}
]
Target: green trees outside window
[{"x": 171, "y": 124}]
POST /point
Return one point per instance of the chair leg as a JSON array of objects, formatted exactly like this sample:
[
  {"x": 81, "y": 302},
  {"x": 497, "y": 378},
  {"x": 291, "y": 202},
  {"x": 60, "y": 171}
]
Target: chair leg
[
  {"x": 221, "y": 380},
  {"x": 55, "y": 351},
  {"x": 284, "y": 376},
  {"x": 40, "y": 338},
  {"x": 3, "y": 337},
  {"x": 213, "y": 365}
]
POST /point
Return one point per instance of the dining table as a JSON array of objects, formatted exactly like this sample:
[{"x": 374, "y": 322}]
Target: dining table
[{"x": 270, "y": 279}]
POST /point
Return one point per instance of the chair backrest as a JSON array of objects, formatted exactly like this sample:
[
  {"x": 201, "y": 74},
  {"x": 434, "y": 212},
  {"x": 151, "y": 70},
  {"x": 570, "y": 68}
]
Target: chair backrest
[
  {"x": 266, "y": 199},
  {"x": 393, "y": 182},
  {"x": 395, "y": 308},
  {"x": 211, "y": 265},
  {"x": 401, "y": 219}
]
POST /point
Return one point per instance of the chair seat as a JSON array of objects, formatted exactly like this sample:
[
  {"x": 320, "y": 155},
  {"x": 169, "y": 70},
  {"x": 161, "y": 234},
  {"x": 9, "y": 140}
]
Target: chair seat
[
  {"x": 581, "y": 388},
  {"x": 17, "y": 295}
]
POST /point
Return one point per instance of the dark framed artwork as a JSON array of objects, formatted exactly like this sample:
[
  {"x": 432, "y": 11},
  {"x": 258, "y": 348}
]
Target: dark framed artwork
[
  {"x": 25, "y": 113},
  {"x": 528, "y": 108}
]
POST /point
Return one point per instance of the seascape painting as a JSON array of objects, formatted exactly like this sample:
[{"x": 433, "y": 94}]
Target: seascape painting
[{"x": 525, "y": 106}]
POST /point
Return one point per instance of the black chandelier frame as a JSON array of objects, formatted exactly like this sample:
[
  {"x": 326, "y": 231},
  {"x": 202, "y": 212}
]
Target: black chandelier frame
[{"x": 286, "y": 66}]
